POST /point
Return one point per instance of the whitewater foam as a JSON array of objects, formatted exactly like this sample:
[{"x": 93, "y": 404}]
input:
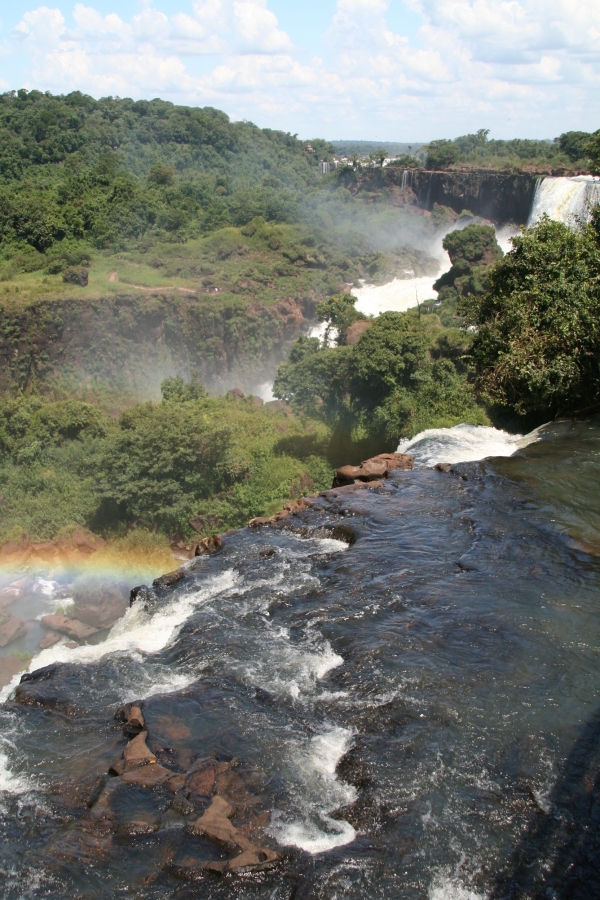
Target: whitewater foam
[
  {"x": 10, "y": 783},
  {"x": 463, "y": 443},
  {"x": 395, "y": 296},
  {"x": 139, "y": 630},
  {"x": 320, "y": 793}
]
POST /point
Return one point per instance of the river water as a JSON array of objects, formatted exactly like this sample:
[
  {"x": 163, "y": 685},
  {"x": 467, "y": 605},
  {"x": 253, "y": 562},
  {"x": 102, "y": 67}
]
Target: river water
[{"x": 418, "y": 710}]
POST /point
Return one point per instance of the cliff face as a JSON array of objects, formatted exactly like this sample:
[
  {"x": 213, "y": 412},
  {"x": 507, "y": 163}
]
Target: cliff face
[
  {"x": 498, "y": 196},
  {"x": 131, "y": 343}
]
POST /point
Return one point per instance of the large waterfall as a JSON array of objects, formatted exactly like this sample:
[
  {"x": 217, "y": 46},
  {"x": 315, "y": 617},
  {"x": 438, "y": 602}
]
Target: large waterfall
[{"x": 565, "y": 199}]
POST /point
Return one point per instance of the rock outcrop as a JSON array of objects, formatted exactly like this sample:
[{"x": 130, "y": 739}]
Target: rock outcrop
[{"x": 373, "y": 469}]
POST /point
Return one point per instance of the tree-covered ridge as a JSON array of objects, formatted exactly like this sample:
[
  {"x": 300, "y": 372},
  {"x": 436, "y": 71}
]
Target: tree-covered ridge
[
  {"x": 571, "y": 150},
  {"x": 112, "y": 171}
]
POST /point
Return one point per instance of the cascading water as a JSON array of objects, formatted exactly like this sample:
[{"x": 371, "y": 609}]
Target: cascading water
[
  {"x": 410, "y": 714},
  {"x": 567, "y": 200}
]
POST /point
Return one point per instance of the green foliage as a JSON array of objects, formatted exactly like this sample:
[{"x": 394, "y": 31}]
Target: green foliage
[
  {"x": 573, "y": 144},
  {"x": 112, "y": 172},
  {"x": 537, "y": 349},
  {"x": 404, "y": 374},
  {"x": 339, "y": 312},
  {"x": 592, "y": 150},
  {"x": 472, "y": 252},
  {"x": 477, "y": 149},
  {"x": 441, "y": 154},
  {"x": 67, "y": 463}
]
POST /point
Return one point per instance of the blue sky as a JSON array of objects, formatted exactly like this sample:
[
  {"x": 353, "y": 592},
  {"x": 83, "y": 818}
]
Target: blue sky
[{"x": 402, "y": 70}]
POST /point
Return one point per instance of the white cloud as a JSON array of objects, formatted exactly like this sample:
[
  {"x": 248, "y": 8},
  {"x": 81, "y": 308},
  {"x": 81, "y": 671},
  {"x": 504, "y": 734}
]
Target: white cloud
[{"x": 524, "y": 66}]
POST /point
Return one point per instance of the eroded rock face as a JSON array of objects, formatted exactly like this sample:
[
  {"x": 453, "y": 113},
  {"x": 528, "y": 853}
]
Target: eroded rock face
[{"x": 356, "y": 330}]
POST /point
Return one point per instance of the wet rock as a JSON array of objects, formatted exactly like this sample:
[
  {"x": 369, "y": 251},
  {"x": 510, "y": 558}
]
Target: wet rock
[
  {"x": 443, "y": 467},
  {"x": 46, "y": 688},
  {"x": 373, "y": 469},
  {"x": 147, "y": 776},
  {"x": 49, "y": 640},
  {"x": 291, "y": 508},
  {"x": 215, "y": 825},
  {"x": 208, "y": 545},
  {"x": 11, "y": 628},
  {"x": 135, "y": 718},
  {"x": 136, "y": 752},
  {"x": 172, "y": 727},
  {"x": 140, "y": 593},
  {"x": 9, "y": 667},
  {"x": 169, "y": 579},
  {"x": 344, "y": 533},
  {"x": 73, "y": 628}
]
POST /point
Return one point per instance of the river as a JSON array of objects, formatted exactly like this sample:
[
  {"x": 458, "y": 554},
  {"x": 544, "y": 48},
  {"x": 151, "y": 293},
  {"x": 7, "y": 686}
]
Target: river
[{"x": 410, "y": 715}]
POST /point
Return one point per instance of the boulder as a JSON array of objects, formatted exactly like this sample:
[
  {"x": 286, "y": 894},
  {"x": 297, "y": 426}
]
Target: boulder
[
  {"x": 236, "y": 395},
  {"x": 280, "y": 406},
  {"x": 258, "y": 401},
  {"x": 11, "y": 628},
  {"x": 140, "y": 593},
  {"x": 443, "y": 467},
  {"x": 372, "y": 469}
]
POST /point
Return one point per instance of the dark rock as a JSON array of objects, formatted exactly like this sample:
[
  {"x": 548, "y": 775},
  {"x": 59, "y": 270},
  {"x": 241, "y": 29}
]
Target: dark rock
[
  {"x": 74, "y": 275},
  {"x": 344, "y": 533},
  {"x": 443, "y": 467},
  {"x": 169, "y": 579},
  {"x": 141, "y": 593},
  {"x": 46, "y": 688}
]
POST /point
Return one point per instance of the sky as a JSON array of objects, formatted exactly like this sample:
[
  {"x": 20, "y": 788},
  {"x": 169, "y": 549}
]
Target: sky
[{"x": 387, "y": 70}]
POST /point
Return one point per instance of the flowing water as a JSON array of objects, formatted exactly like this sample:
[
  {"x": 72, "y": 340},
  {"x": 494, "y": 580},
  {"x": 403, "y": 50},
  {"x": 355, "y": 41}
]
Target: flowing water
[
  {"x": 415, "y": 713},
  {"x": 568, "y": 200}
]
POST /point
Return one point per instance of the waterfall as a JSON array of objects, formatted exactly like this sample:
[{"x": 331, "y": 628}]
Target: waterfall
[
  {"x": 406, "y": 178},
  {"x": 565, "y": 199}
]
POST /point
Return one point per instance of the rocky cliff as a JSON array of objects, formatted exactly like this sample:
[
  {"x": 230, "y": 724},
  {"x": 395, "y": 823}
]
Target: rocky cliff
[{"x": 133, "y": 342}]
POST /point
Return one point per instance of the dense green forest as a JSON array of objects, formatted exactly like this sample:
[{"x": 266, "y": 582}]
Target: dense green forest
[{"x": 221, "y": 241}]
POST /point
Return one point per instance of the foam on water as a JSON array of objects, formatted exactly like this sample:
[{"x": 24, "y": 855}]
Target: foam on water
[
  {"x": 395, "y": 296},
  {"x": 449, "y": 887},
  {"x": 9, "y": 783},
  {"x": 463, "y": 443},
  {"x": 140, "y": 630},
  {"x": 320, "y": 792}
]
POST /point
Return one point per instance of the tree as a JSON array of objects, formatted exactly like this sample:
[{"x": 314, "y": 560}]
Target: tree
[
  {"x": 441, "y": 154},
  {"x": 339, "y": 312},
  {"x": 573, "y": 143},
  {"x": 592, "y": 150},
  {"x": 537, "y": 348}
]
